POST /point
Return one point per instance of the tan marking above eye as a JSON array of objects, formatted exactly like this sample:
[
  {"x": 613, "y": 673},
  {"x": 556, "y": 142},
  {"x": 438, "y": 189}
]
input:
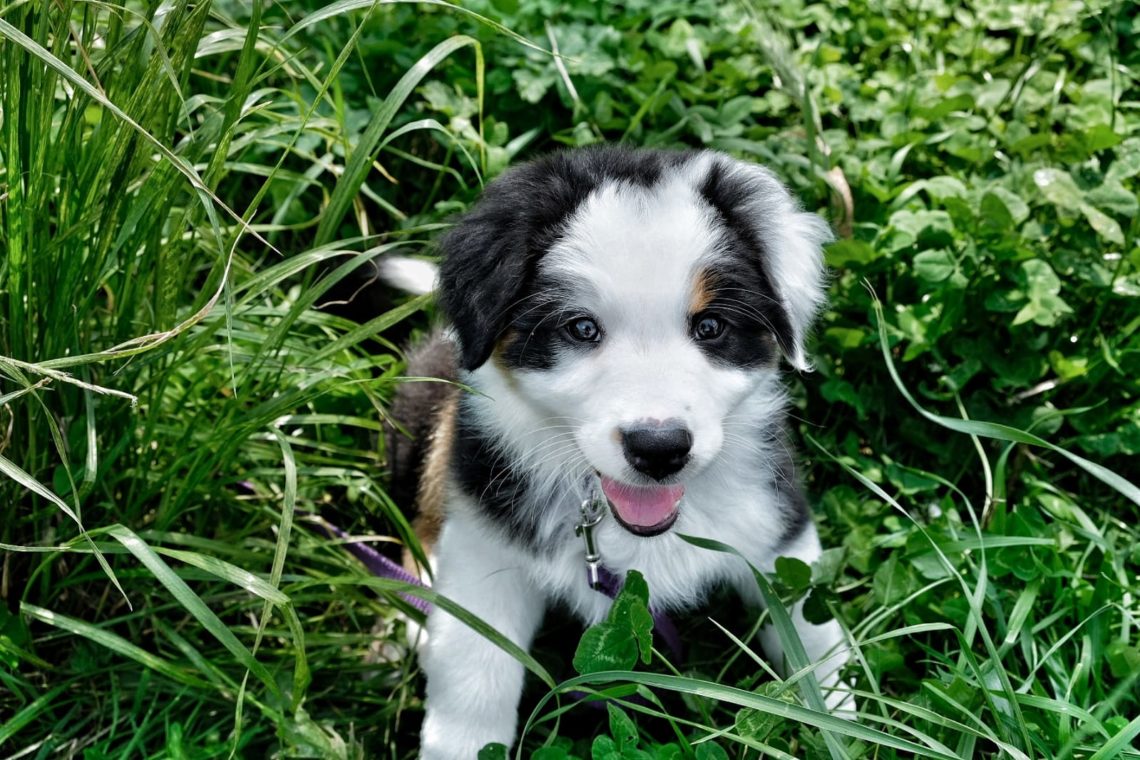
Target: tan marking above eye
[
  {"x": 499, "y": 355},
  {"x": 500, "y": 349},
  {"x": 703, "y": 293}
]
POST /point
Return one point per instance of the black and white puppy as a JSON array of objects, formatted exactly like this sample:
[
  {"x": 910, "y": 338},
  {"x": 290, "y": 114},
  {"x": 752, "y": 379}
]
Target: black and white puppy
[{"x": 621, "y": 315}]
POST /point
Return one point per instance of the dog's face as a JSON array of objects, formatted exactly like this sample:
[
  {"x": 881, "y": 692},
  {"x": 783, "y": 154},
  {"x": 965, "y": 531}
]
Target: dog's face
[{"x": 634, "y": 300}]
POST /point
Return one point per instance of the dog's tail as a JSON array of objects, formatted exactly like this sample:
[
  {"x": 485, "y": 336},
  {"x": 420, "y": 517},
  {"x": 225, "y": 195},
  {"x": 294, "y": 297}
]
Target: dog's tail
[{"x": 415, "y": 276}]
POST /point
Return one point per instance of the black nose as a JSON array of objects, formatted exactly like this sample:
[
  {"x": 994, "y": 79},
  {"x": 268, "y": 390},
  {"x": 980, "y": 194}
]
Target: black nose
[{"x": 657, "y": 450}]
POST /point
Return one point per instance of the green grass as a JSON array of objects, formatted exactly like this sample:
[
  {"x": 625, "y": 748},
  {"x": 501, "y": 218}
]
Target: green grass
[{"x": 184, "y": 192}]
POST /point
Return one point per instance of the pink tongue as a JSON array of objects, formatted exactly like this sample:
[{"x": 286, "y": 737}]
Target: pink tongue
[{"x": 642, "y": 506}]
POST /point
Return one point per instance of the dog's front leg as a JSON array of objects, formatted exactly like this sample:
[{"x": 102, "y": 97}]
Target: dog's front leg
[
  {"x": 473, "y": 686},
  {"x": 824, "y": 644}
]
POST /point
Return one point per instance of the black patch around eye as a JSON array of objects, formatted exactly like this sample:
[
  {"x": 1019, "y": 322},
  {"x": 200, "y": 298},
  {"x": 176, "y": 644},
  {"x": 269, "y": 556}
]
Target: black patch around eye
[
  {"x": 736, "y": 347},
  {"x": 532, "y": 343},
  {"x": 750, "y": 319},
  {"x": 542, "y": 329}
]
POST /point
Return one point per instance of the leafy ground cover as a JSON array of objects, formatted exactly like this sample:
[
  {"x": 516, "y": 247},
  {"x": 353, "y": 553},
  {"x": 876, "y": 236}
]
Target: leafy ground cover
[{"x": 189, "y": 192}]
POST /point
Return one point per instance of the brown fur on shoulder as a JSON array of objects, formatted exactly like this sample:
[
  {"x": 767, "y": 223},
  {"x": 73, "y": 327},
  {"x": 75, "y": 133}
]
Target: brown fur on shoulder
[
  {"x": 419, "y": 443},
  {"x": 433, "y": 476}
]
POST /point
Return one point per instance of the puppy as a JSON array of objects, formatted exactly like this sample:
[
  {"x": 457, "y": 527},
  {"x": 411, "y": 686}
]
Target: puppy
[{"x": 620, "y": 315}]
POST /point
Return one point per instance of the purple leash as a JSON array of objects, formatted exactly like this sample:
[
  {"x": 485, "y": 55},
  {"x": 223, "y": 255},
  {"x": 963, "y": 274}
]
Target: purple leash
[
  {"x": 378, "y": 564},
  {"x": 598, "y": 576}
]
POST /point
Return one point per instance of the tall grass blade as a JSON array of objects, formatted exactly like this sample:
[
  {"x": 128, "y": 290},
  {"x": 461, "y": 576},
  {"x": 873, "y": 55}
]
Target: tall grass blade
[
  {"x": 111, "y": 641},
  {"x": 13, "y": 471},
  {"x": 1120, "y": 742},
  {"x": 346, "y": 6},
  {"x": 360, "y": 160},
  {"x": 473, "y": 621},
  {"x": 37, "y": 50},
  {"x": 12, "y": 726},
  {"x": 996, "y": 430},
  {"x": 976, "y": 621},
  {"x": 741, "y": 698},
  {"x": 193, "y": 603}
]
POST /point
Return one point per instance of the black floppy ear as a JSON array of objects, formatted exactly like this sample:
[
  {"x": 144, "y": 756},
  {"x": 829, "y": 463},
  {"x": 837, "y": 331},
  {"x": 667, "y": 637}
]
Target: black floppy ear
[{"x": 486, "y": 263}]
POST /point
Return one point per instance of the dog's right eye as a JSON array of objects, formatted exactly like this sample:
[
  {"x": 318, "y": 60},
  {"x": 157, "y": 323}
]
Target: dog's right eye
[{"x": 583, "y": 330}]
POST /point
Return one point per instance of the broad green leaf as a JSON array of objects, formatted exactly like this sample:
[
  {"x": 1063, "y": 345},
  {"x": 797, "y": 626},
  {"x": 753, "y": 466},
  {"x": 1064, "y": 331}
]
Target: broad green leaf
[
  {"x": 934, "y": 266},
  {"x": 604, "y": 748},
  {"x": 631, "y": 608},
  {"x": 1114, "y": 197},
  {"x": 1100, "y": 137},
  {"x": 710, "y": 751},
  {"x": 1059, "y": 188},
  {"x": 815, "y": 608},
  {"x": 850, "y": 251},
  {"x": 1123, "y": 659},
  {"x": 939, "y": 188},
  {"x": 793, "y": 573},
  {"x": 605, "y": 646},
  {"x": 995, "y": 214},
  {"x": 1126, "y": 163},
  {"x": 532, "y": 86},
  {"x": 622, "y": 729},
  {"x": 1014, "y": 203},
  {"x": 627, "y": 631},
  {"x": 494, "y": 751},
  {"x": 1068, "y": 368},
  {"x": 836, "y": 389},
  {"x": 1107, "y": 227},
  {"x": 909, "y": 226},
  {"x": 1045, "y": 306}
]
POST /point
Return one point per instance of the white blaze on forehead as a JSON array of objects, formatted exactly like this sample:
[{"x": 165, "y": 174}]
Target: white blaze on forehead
[{"x": 635, "y": 250}]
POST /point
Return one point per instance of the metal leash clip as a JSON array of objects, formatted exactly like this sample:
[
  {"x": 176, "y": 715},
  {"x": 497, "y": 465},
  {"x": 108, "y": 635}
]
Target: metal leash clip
[{"x": 593, "y": 510}]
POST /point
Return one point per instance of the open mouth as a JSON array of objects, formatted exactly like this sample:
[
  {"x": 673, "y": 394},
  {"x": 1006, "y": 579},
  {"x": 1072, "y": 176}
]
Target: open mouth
[{"x": 643, "y": 510}]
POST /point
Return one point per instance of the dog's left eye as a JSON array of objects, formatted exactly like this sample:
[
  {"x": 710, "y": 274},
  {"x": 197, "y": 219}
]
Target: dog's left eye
[
  {"x": 708, "y": 327},
  {"x": 583, "y": 329}
]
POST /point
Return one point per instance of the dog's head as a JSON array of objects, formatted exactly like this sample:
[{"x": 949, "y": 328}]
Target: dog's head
[{"x": 634, "y": 300}]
